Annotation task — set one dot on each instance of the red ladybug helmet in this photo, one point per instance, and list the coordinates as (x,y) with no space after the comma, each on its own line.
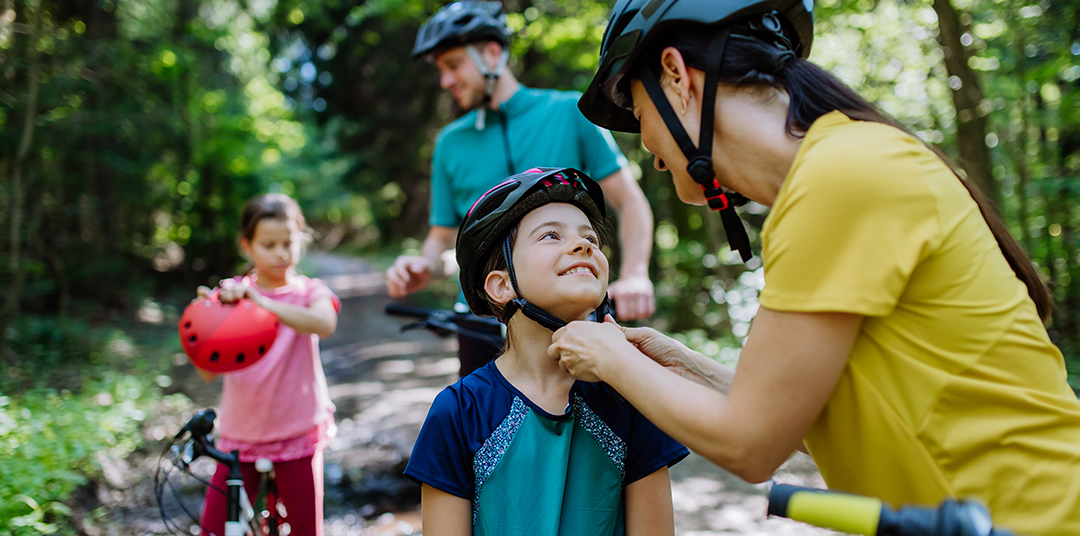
(221,337)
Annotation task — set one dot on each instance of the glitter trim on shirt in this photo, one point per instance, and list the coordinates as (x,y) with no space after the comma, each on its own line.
(488,456)
(612,444)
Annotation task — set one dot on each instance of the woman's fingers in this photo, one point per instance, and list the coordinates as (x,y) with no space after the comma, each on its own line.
(639,336)
(608,319)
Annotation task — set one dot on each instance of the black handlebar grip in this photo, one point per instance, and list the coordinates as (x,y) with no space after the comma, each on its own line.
(407,310)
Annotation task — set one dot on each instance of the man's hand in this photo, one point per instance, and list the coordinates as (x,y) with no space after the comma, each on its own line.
(633,298)
(409,274)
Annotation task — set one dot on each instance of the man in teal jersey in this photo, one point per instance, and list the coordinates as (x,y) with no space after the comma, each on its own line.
(511,128)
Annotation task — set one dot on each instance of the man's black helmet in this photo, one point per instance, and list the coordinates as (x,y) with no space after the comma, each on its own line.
(488,223)
(462,23)
(635,23)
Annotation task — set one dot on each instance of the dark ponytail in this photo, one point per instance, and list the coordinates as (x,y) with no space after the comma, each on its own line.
(814,92)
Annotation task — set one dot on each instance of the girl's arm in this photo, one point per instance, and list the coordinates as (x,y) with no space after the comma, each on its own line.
(206,375)
(319,318)
(787,371)
(445,514)
(648,506)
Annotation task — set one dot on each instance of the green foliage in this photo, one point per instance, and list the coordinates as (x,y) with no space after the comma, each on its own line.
(157,119)
(50,441)
(77,394)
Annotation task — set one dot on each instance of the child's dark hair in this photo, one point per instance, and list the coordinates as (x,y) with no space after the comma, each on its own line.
(269,206)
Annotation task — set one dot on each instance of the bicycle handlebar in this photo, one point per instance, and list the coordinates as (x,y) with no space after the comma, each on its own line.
(871,517)
(201,426)
(408,310)
(445,322)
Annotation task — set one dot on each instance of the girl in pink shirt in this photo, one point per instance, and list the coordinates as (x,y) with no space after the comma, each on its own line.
(278,408)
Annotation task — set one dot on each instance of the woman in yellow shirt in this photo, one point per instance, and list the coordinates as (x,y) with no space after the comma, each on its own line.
(900,335)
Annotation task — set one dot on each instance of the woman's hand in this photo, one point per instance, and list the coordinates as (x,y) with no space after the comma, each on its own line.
(583,347)
(670,353)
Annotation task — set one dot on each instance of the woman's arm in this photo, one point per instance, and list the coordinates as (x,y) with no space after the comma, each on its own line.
(445,514)
(648,506)
(676,357)
(787,371)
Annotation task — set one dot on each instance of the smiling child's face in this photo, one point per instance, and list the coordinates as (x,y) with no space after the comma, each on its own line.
(559,265)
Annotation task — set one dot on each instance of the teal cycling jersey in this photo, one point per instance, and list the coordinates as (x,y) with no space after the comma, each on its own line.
(529,472)
(534,128)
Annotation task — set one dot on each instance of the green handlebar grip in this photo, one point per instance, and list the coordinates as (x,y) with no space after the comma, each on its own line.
(839,511)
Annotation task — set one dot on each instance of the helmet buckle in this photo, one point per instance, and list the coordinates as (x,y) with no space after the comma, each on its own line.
(700,169)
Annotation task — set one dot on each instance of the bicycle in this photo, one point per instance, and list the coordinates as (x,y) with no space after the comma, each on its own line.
(868,516)
(241,519)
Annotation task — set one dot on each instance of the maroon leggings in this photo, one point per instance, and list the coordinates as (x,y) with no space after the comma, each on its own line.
(299,483)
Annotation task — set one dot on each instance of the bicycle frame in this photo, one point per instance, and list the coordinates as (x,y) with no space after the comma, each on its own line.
(240,515)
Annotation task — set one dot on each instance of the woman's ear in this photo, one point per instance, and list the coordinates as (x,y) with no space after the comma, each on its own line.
(245,246)
(675,78)
(498,287)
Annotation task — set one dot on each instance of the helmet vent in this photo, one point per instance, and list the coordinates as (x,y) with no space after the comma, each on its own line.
(650,9)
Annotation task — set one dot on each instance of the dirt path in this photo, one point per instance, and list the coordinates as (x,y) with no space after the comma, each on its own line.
(382,382)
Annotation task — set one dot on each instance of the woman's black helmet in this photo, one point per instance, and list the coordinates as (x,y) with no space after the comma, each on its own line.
(487,226)
(462,23)
(634,24)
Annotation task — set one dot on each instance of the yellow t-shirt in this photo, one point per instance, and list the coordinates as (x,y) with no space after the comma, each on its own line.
(953,388)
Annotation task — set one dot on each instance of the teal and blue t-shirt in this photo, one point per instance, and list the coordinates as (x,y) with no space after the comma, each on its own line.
(542,128)
(527,471)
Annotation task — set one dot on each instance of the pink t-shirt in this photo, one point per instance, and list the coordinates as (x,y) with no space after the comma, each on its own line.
(284,395)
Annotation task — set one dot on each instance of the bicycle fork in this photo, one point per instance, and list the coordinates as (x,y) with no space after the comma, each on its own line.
(273,516)
(238,502)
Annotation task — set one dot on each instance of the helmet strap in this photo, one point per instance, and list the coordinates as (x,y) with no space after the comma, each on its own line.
(491,79)
(699,158)
(531,311)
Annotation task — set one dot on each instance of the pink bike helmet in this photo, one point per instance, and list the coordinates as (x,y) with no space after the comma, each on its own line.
(221,337)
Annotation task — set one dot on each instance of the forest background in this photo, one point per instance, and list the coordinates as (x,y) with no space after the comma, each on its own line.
(131,131)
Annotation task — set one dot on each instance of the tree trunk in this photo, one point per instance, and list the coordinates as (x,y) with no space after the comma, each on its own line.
(970,122)
(1024,178)
(15,267)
